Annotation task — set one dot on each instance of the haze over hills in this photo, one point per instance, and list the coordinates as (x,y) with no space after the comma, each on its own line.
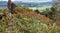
(3,4)
(34,4)
(27,4)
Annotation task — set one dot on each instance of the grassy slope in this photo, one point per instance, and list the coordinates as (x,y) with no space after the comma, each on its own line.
(25,21)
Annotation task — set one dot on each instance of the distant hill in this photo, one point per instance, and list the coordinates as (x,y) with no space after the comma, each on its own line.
(3,3)
(32,4)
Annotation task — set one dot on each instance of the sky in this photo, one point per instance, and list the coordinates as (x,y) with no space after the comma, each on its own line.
(29,0)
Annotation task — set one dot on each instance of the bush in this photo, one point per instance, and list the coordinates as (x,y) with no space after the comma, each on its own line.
(37,11)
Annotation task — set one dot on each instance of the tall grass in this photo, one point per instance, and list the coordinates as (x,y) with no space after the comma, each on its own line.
(23,24)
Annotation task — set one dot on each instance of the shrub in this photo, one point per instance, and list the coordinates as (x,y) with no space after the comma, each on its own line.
(37,11)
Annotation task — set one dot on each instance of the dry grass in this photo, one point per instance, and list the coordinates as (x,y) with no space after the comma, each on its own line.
(26,22)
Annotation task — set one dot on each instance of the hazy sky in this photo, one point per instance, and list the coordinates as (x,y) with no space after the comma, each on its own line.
(29,0)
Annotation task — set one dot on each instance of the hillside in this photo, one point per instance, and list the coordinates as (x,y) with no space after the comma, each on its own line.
(24,20)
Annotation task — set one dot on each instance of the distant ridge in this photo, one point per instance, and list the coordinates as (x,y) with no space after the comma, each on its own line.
(33,4)
(3,4)
(29,4)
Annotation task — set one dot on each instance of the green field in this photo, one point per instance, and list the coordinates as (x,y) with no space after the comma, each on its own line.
(40,8)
